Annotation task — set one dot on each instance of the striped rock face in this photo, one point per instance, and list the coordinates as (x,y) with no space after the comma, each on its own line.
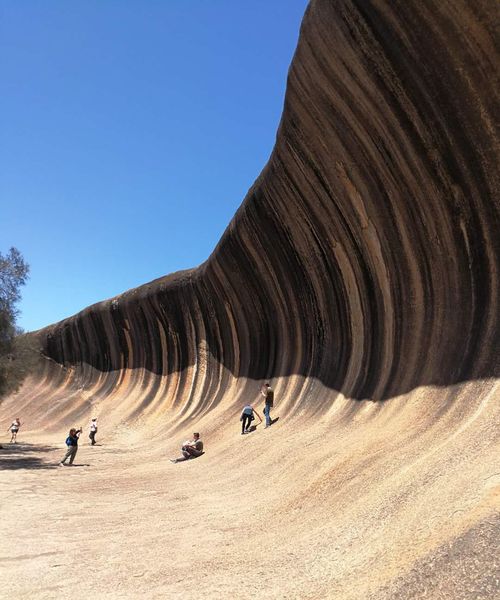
(366,255)
(361,277)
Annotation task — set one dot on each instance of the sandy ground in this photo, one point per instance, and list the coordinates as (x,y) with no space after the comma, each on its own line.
(392,502)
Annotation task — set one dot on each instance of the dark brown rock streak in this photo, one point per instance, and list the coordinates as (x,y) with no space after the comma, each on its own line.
(366,254)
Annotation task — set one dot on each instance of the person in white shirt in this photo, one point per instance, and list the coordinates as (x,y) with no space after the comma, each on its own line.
(93,431)
(14,428)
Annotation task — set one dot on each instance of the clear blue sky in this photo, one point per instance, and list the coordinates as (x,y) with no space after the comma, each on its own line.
(130,132)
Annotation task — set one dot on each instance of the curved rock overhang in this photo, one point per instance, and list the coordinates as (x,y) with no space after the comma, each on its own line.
(366,254)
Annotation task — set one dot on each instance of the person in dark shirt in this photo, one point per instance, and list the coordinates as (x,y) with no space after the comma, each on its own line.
(267,391)
(72,444)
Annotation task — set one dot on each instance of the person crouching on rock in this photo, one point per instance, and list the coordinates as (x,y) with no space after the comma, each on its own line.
(190,449)
(246,418)
(72,444)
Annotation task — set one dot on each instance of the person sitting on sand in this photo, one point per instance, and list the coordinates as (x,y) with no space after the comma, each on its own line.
(190,449)
(14,428)
(72,443)
(246,418)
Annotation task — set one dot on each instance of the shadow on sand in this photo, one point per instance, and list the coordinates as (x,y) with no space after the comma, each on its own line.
(25,456)
(253,428)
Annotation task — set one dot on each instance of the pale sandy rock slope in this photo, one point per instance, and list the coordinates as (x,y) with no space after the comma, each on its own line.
(361,277)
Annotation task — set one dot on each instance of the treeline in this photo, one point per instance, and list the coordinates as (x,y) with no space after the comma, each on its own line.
(17,351)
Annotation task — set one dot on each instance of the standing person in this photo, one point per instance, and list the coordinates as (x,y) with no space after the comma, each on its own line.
(246,418)
(72,443)
(14,428)
(267,391)
(93,431)
(190,449)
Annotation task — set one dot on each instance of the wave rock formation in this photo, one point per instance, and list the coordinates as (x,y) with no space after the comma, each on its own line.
(360,275)
(366,255)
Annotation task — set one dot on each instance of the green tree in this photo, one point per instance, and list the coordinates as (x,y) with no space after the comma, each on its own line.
(13,274)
